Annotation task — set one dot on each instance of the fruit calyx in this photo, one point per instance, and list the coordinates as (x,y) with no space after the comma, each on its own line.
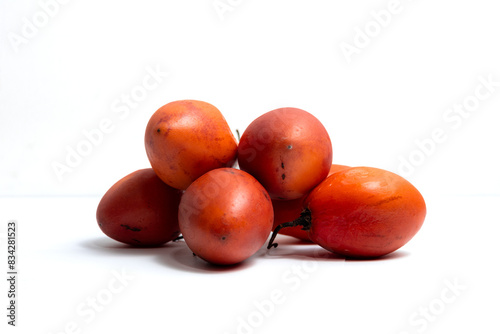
(304,220)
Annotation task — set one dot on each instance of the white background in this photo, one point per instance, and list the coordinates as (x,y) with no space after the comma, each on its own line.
(62,74)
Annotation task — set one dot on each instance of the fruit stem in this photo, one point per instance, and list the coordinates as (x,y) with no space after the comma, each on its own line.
(304,220)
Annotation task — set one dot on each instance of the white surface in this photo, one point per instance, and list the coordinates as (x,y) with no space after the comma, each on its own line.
(76,71)
(64,259)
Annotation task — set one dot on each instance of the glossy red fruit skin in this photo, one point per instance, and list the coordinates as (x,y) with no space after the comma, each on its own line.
(185,139)
(364,212)
(140,210)
(288,150)
(225,216)
(287,211)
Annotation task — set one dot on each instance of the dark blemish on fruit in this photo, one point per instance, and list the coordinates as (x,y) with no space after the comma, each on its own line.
(266,194)
(283,176)
(133,229)
(283,165)
(223,238)
(158,130)
(136,241)
(387,200)
(289,147)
